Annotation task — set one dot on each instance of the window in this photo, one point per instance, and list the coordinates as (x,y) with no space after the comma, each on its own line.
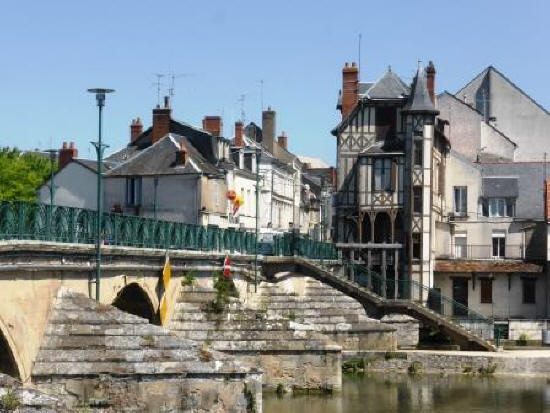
(417,200)
(382,174)
(461,200)
(461,246)
(529,288)
(418,152)
(416,246)
(499,244)
(385,117)
(486,290)
(133,191)
(499,207)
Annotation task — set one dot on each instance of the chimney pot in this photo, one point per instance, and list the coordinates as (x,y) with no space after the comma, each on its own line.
(239,127)
(161,123)
(268,129)
(213,125)
(282,141)
(350,88)
(66,154)
(136,129)
(430,80)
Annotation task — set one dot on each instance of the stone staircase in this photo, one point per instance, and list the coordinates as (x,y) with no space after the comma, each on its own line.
(289,353)
(328,311)
(459,334)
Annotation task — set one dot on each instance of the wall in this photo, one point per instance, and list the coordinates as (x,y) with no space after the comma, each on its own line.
(76,186)
(494,143)
(507,303)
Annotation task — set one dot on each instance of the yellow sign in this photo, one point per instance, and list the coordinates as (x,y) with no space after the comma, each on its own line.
(166,274)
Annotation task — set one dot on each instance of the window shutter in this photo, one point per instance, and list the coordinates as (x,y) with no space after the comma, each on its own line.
(394,176)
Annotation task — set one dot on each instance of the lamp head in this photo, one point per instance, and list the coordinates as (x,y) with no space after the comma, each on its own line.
(100,95)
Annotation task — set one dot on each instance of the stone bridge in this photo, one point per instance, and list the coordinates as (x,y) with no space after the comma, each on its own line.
(32,272)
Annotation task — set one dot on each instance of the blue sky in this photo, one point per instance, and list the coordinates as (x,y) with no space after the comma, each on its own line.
(54,50)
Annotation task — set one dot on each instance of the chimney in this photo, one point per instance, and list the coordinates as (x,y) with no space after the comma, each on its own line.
(283,141)
(136,129)
(66,154)
(239,131)
(181,155)
(161,121)
(350,88)
(268,129)
(430,77)
(213,124)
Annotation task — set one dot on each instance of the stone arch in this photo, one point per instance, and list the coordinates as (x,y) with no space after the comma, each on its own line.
(398,229)
(10,361)
(382,228)
(134,299)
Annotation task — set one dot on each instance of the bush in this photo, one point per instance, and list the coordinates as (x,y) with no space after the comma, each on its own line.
(415,368)
(225,288)
(490,369)
(9,402)
(188,279)
(522,341)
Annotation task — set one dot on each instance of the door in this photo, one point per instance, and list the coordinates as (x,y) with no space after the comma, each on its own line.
(460,296)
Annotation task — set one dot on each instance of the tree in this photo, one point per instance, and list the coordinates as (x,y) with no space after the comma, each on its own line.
(21,174)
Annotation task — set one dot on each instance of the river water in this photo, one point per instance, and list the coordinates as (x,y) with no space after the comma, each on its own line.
(379,392)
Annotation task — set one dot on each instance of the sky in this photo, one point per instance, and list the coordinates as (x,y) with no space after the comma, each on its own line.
(53,51)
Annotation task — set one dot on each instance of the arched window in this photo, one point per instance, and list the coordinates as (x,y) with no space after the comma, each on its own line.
(132,299)
(382,228)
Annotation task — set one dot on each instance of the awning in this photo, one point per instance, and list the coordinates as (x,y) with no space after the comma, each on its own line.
(500,187)
(496,266)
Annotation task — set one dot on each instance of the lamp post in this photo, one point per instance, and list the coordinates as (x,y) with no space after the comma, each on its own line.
(99,147)
(258,155)
(53,154)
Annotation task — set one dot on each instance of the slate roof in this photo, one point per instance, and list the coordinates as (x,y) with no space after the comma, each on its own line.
(389,86)
(420,100)
(494,266)
(160,159)
(92,165)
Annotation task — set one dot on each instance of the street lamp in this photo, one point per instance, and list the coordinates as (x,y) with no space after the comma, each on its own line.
(99,147)
(53,155)
(258,155)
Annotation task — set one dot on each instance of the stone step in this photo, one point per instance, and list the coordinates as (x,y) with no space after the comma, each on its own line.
(307,305)
(137,355)
(243,335)
(276,325)
(128,342)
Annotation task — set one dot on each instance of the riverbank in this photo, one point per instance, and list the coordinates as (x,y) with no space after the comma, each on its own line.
(516,362)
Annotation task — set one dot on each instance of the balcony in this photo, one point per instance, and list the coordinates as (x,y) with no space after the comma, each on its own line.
(484,252)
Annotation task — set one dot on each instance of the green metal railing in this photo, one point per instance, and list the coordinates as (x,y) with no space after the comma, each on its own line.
(431,298)
(290,244)
(35,221)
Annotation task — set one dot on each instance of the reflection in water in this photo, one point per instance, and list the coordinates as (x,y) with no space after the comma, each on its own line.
(427,393)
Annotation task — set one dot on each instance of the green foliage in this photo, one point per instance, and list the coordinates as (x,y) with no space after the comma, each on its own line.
(188,279)
(225,288)
(9,402)
(21,174)
(487,371)
(415,368)
(292,316)
(522,341)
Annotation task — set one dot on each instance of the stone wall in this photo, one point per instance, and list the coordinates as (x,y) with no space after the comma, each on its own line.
(407,329)
(532,329)
(508,362)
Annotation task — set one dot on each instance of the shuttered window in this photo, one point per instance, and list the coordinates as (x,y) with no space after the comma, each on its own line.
(486,290)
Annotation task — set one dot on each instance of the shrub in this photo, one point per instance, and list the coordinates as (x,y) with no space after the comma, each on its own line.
(415,368)
(188,279)
(522,341)
(486,371)
(9,402)
(292,316)
(225,288)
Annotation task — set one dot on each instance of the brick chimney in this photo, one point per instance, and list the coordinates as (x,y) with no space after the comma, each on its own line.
(136,129)
(282,141)
(66,154)
(430,77)
(213,124)
(350,88)
(239,131)
(161,121)
(181,155)
(268,129)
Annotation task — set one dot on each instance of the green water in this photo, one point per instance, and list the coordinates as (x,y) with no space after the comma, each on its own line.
(427,393)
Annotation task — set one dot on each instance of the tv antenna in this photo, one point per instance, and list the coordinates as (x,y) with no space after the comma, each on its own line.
(158,84)
(241,101)
(173,77)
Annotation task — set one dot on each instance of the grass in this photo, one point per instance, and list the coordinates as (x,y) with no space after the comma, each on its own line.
(9,402)
(415,368)
(188,279)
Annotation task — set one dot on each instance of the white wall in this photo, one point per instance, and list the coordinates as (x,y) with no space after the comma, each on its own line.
(76,186)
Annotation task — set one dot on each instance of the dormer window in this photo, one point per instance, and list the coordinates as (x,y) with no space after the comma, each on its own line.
(133,191)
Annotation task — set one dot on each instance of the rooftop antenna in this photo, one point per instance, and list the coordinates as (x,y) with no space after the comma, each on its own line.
(172,88)
(359,57)
(241,101)
(158,83)
(262,93)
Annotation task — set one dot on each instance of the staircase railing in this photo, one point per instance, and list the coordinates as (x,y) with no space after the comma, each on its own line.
(431,298)
(290,244)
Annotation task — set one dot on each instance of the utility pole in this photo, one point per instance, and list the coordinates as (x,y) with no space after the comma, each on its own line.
(53,154)
(100,147)
(156,184)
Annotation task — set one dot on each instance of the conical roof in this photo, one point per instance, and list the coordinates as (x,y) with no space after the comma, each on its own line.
(420,101)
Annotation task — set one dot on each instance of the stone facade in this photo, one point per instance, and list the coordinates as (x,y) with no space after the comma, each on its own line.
(407,329)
